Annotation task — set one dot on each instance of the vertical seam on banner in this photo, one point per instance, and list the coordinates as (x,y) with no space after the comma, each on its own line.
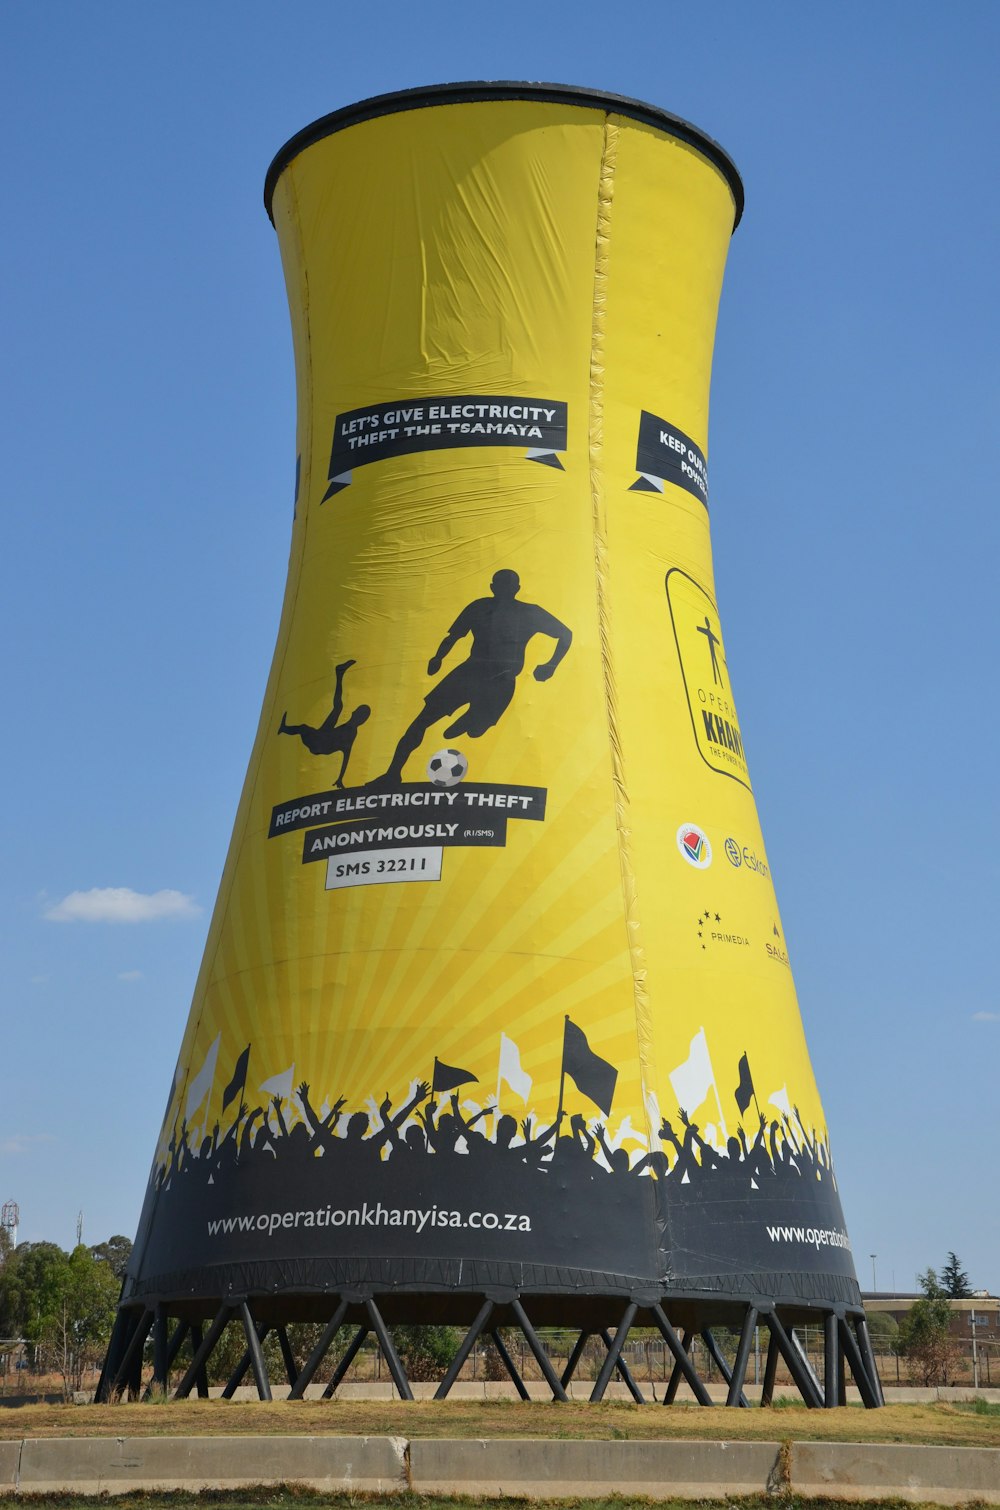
(595,445)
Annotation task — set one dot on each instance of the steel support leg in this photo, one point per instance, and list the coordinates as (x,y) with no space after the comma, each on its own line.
(736,1395)
(795,1363)
(120,1335)
(318,1353)
(614,1354)
(541,1356)
(804,1358)
(345,1362)
(202,1348)
(868,1354)
(831,1362)
(236,1377)
(160,1339)
(388,1350)
(509,1364)
(287,1356)
(687,1368)
(857,1366)
(715,1353)
(202,1376)
(624,1372)
(770,1366)
(256,1352)
(574,1358)
(124,1377)
(467,1344)
(676,1373)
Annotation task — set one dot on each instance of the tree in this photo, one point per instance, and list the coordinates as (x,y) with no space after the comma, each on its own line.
(924,1333)
(884,1331)
(116,1252)
(63,1304)
(30,1285)
(85,1316)
(954,1279)
(425,1351)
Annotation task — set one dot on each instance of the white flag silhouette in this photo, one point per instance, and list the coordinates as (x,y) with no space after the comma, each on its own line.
(510,1068)
(781,1101)
(693,1079)
(202,1082)
(279,1085)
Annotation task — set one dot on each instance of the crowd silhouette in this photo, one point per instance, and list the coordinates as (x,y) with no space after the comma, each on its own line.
(289,1131)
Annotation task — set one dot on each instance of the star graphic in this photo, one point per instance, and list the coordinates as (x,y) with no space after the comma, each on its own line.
(717,918)
(707,916)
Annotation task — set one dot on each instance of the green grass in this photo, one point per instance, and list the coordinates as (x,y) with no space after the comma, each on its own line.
(980,1407)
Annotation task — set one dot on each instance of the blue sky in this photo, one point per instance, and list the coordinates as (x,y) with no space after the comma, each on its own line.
(148,407)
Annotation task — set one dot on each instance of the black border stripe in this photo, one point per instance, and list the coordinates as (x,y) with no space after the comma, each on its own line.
(460,94)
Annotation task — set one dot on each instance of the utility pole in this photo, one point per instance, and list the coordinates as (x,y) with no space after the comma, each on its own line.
(10,1216)
(873,1257)
(975,1350)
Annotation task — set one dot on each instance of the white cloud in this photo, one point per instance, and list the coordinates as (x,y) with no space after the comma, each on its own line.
(986,1016)
(130,975)
(16,1143)
(120,904)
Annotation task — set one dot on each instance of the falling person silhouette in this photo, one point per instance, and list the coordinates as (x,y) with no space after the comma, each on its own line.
(332,737)
(483,685)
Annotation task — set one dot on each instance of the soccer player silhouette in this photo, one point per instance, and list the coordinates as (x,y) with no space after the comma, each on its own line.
(332,737)
(483,685)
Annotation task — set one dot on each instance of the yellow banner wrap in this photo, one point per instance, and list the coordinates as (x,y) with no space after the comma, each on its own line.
(497,990)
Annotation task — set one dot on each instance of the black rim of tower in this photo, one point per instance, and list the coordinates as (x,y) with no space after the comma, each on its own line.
(476,92)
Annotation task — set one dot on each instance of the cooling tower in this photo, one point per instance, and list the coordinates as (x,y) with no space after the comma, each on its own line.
(496,1023)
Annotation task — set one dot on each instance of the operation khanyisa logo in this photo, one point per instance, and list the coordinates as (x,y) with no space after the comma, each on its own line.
(702,655)
(391,830)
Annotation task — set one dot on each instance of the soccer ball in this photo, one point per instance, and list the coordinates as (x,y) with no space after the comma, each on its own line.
(447,768)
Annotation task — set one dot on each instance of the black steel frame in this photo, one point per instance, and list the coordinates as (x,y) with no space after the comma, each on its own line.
(847,1347)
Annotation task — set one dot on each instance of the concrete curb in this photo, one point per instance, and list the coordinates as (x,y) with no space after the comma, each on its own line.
(896,1470)
(545,1469)
(548,1469)
(116,1465)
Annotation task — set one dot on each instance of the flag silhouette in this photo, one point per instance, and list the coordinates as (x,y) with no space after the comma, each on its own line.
(744,1091)
(693,1079)
(448,1077)
(201,1084)
(591,1075)
(279,1085)
(510,1068)
(780,1100)
(237,1085)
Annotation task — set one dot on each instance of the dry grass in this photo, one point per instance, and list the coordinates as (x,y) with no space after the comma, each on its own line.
(293,1497)
(937,1424)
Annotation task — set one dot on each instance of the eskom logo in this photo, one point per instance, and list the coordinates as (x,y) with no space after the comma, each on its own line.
(693,844)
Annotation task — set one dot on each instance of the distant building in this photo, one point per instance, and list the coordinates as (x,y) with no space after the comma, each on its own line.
(983,1306)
